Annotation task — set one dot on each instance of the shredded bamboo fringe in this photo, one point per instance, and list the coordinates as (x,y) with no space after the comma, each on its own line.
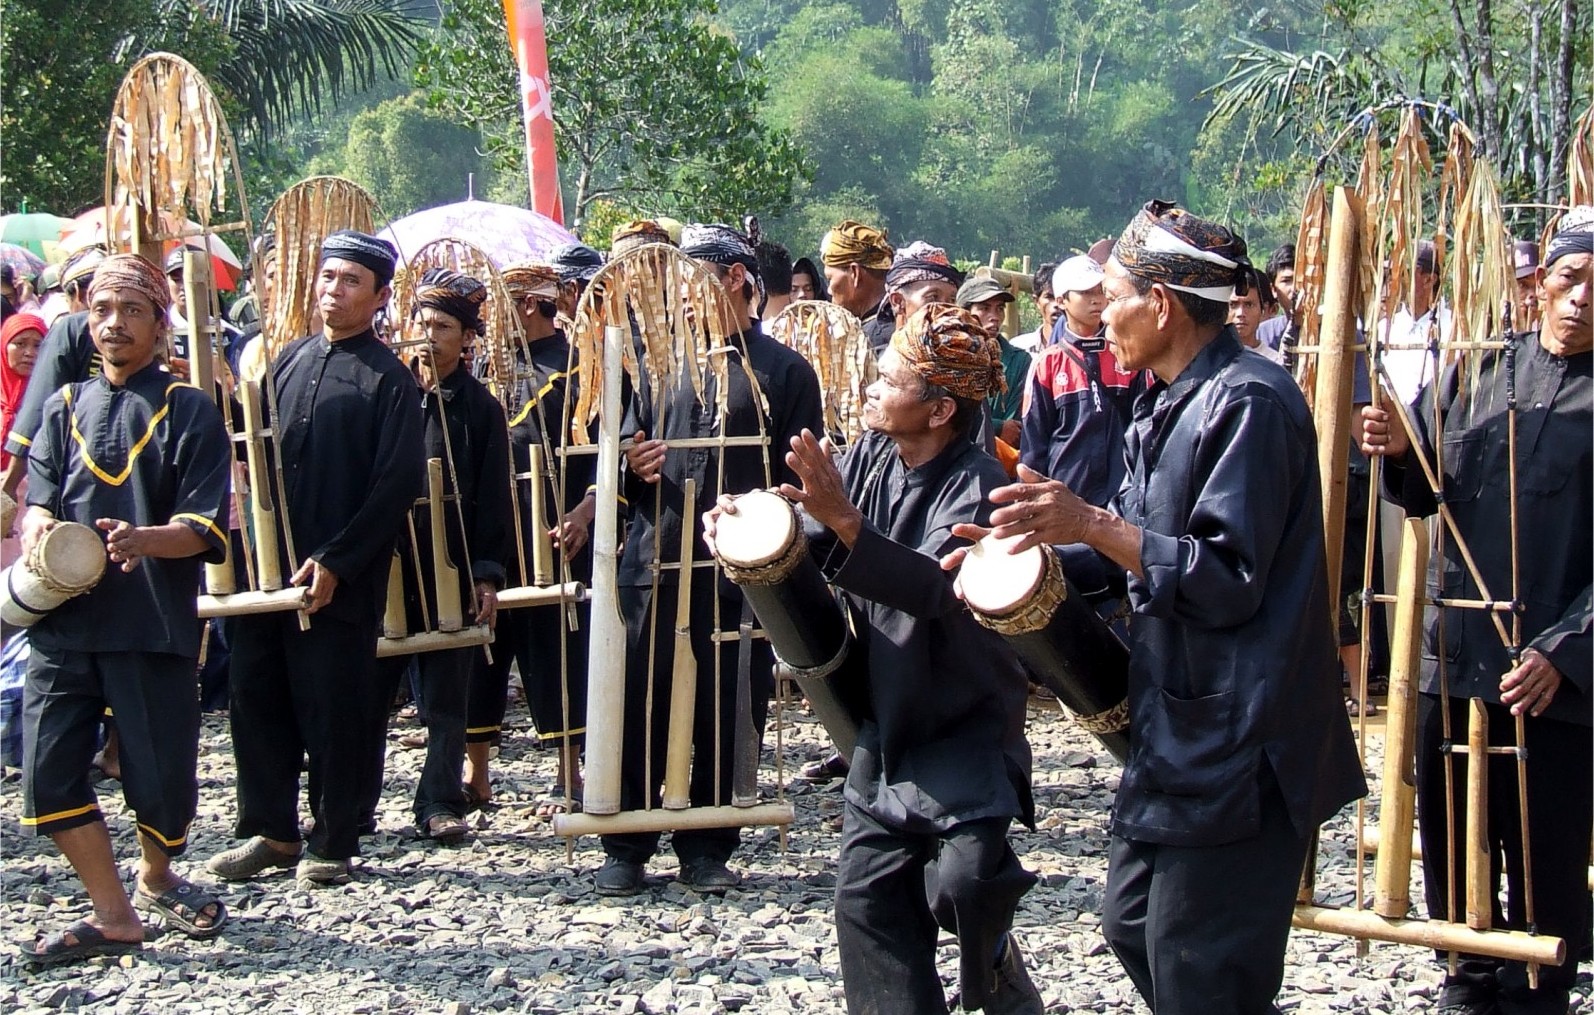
(832,340)
(305,215)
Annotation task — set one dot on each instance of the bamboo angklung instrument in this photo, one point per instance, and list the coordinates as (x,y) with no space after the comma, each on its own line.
(1392,869)
(542,556)
(220,579)
(395,620)
(445,575)
(683,678)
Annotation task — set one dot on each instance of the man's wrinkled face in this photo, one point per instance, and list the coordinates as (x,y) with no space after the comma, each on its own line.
(1564,293)
(1131,320)
(894,404)
(843,283)
(910,299)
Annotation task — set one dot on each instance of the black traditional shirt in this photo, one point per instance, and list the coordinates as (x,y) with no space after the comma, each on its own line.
(1554,519)
(1233,663)
(791,389)
(151,452)
(67,355)
(944,739)
(478,445)
(353,461)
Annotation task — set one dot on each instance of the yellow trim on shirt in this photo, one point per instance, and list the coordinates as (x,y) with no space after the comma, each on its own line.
(21,440)
(483,729)
(59,815)
(133,453)
(526,409)
(206,522)
(557,736)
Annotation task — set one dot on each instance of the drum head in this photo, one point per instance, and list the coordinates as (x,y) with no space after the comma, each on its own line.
(70,556)
(997,582)
(762,528)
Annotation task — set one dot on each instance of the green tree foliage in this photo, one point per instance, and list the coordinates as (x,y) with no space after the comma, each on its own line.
(409,156)
(653,108)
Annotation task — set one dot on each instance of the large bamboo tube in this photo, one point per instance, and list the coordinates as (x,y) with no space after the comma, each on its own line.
(1336,365)
(434,641)
(268,565)
(239,604)
(1479,886)
(542,559)
(529,595)
(1398,805)
(777,813)
(220,579)
(683,677)
(606,655)
(445,576)
(1438,935)
(395,621)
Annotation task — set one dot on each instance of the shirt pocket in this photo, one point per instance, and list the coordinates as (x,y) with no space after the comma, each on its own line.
(1189,743)
(1463,466)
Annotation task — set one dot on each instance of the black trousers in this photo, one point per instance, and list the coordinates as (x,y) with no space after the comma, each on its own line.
(155,700)
(715,712)
(531,637)
(443,685)
(895,890)
(296,693)
(1560,786)
(1201,930)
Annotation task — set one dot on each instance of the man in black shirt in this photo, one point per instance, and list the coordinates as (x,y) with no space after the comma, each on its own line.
(152,475)
(352,462)
(655,491)
(941,768)
(1549,682)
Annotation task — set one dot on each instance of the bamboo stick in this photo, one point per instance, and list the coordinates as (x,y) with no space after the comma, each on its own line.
(1479,886)
(660,820)
(1335,373)
(683,676)
(542,559)
(268,563)
(445,576)
(1392,868)
(606,655)
(1513,945)
(535,595)
(395,621)
(220,579)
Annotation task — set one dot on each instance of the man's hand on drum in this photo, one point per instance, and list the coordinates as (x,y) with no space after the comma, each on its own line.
(645,457)
(127,544)
(822,494)
(1036,510)
(36,521)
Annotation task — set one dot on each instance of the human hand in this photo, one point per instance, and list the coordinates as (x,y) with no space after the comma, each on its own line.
(323,583)
(124,542)
(1531,685)
(1038,510)
(725,505)
(822,494)
(646,458)
(1378,434)
(487,604)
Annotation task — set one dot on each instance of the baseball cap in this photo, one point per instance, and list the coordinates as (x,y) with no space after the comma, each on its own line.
(979,288)
(1525,257)
(1077,274)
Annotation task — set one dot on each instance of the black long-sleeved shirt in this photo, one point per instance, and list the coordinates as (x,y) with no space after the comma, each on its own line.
(1232,663)
(478,445)
(1555,519)
(67,355)
(353,460)
(791,390)
(944,741)
(151,452)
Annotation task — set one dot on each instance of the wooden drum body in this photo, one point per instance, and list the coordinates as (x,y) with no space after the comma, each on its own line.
(67,561)
(1060,638)
(762,549)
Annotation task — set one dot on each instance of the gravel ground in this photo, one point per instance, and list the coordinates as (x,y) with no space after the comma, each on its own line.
(509,921)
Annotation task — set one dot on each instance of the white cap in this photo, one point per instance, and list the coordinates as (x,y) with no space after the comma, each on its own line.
(1077,274)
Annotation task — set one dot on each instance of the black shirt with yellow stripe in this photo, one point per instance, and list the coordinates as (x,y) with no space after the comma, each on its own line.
(150,452)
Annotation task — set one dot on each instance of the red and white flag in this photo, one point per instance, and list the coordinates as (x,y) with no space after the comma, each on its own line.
(531,55)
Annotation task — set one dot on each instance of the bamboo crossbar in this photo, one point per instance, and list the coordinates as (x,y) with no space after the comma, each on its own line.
(434,641)
(1512,945)
(537,595)
(240,604)
(675,442)
(779,812)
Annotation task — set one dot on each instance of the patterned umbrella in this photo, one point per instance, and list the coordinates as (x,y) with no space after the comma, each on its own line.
(39,232)
(89,228)
(505,233)
(22,260)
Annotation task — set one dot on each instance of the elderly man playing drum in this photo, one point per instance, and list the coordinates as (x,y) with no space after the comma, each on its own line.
(144,459)
(941,767)
(1239,747)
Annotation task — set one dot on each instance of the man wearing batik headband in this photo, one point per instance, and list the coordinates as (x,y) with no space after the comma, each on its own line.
(655,480)
(1548,684)
(538,394)
(465,428)
(856,258)
(144,459)
(1241,747)
(352,461)
(67,355)
(920,275)
(941,767)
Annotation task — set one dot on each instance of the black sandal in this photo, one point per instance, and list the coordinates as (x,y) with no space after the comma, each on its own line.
(88,942)
(181,907)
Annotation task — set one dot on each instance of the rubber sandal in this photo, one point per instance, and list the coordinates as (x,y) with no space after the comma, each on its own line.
(446,829)
(181,906)
(54,950)
(474,801)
